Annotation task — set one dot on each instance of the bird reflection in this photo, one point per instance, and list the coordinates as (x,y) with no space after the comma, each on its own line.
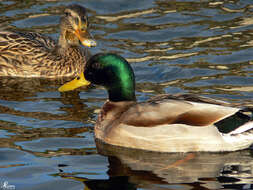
(119,182)
(133,169)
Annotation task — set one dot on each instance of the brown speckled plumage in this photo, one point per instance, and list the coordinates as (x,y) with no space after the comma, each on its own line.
(34,55)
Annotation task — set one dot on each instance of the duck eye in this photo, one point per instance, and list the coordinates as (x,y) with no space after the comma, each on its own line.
(78,78)
(67,14)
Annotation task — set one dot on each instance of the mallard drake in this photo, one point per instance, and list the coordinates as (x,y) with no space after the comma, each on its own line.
(165,123)
(29,54)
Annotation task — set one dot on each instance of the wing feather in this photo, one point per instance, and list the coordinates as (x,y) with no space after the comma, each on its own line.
(173,111)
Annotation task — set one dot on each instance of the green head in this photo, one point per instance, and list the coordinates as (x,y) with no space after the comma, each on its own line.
(113,72)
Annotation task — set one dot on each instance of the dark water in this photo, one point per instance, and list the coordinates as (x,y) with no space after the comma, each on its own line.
(193,46)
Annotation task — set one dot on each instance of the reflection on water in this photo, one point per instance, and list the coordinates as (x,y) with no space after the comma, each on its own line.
(133,169)
(200,47)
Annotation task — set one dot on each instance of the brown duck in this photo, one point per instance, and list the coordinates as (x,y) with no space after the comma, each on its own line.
(29,54)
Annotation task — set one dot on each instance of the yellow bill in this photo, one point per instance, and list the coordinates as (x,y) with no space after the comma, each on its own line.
(76,83)
(85,38)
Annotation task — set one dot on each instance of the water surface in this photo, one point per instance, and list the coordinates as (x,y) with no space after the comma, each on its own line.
(182,46)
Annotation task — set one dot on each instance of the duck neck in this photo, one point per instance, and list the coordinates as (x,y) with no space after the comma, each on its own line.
(62,42)
(122,92)
(121,87)
(115,74)
(66,41)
